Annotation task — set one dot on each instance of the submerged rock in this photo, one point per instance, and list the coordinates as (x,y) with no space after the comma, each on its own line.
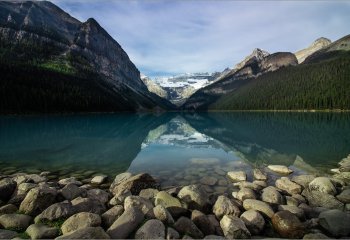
(211,181)
(237,175)
(280,169)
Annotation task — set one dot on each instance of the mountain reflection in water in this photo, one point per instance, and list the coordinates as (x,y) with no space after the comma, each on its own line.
(176,148)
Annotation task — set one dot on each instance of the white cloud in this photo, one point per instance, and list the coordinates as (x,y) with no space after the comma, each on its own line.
(192,36)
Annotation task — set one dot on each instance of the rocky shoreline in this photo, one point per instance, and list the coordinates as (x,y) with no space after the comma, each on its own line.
(134,206)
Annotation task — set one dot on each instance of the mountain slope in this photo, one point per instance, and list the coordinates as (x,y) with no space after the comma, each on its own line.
(256,64)
(69,59)
(154,87)
(330,51)
(321,82)
(314,47)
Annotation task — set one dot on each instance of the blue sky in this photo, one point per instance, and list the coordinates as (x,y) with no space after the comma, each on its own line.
(164,37)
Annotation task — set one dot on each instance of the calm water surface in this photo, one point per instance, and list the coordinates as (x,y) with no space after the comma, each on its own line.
(175,148)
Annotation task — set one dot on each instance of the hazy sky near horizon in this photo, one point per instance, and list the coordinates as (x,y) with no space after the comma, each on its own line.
(165,37)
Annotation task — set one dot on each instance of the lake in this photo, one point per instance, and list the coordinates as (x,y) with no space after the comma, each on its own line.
(176,148)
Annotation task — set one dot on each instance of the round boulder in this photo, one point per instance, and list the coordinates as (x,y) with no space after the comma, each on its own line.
(287,225)
(324,185)
(80,220)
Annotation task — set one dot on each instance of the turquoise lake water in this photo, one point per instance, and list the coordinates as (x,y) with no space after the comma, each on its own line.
(175,148)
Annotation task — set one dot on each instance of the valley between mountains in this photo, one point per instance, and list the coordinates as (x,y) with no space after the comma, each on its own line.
(51,63)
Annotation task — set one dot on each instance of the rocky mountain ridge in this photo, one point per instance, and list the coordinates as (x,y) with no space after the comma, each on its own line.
(259,63)
(314,47)
(39,32)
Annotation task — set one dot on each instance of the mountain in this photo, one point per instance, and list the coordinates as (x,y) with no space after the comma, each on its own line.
(314,47)
(54,63)
(154,87)
(257,55)
(257,63)
(339,47)
(179,87)
(321,82)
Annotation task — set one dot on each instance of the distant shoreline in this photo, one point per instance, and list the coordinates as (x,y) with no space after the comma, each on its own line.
(179,111)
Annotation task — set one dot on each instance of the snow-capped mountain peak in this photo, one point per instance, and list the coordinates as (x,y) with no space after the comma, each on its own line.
(179,87)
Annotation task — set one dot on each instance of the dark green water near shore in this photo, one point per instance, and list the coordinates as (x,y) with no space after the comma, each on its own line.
(176,148)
